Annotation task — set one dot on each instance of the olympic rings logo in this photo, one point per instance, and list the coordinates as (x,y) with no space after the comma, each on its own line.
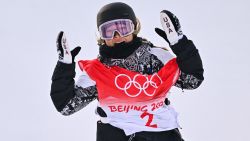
(154,81)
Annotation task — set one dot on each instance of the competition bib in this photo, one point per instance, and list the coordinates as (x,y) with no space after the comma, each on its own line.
(125,92)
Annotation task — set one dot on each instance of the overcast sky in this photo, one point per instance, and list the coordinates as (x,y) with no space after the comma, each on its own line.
(217,111)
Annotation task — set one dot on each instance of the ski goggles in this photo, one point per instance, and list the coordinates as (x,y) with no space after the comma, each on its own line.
(123,26)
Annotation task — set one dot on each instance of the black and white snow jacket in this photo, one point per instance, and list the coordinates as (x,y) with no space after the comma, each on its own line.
(69,97)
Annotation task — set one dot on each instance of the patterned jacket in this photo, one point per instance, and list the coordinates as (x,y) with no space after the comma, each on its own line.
(69,97)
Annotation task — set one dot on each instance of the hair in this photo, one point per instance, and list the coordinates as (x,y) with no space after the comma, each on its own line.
(135,33)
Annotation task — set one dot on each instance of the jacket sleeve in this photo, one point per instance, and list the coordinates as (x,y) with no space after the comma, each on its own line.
(66,96)
(190,64)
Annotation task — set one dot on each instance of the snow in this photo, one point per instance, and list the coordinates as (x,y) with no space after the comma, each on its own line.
(217,110)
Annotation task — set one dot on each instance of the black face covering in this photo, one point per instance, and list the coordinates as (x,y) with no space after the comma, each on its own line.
(121,50)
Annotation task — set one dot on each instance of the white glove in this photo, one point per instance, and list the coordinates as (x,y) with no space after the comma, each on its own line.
(172,29)
(65,55)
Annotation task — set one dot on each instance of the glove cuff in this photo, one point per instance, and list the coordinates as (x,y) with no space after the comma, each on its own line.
(173,42)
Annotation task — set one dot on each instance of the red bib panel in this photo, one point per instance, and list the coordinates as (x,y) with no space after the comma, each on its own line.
(118,85)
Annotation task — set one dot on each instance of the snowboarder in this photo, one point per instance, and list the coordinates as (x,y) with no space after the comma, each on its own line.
(130,78)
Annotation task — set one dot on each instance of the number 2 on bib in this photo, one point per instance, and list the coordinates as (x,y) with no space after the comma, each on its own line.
(150,119)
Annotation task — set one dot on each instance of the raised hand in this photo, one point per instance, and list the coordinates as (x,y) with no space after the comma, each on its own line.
(65,55)
(171,32)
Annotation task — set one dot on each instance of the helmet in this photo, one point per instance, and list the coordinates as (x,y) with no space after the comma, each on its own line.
(116,10)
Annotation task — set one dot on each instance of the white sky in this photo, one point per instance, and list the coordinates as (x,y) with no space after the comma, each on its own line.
(218,110)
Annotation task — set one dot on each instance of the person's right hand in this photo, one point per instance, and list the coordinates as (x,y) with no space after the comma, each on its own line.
(65,55)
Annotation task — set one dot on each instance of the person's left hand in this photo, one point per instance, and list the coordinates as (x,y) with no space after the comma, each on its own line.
(171,32)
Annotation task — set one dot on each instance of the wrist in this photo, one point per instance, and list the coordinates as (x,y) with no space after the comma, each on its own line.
(180,46)
(65,61)
(176,40)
